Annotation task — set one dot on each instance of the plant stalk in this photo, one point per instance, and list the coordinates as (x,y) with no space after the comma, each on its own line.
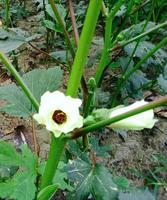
(56,149)
(107,41)
(83,47)
(19,80)
(58,144)
(82,131)
(61,22)
(143,34)
(124,78)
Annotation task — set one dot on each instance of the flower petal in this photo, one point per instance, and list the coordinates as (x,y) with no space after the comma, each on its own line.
(57,101)
(136,122)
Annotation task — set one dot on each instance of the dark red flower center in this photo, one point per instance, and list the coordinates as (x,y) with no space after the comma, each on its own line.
(59,117)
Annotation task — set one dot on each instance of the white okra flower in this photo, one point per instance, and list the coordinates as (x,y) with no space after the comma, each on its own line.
(136,122)
(59,113)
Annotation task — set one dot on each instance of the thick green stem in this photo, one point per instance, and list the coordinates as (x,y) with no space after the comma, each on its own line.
(80,132)
(143,34)
(104,57)
(83,47)
(19,80)
(56,149)
(68,42)
(58,144)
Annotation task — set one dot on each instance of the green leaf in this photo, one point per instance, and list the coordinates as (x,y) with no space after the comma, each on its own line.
(101,151)
(102,185)
(136,195)
(94,180)
(61,10)
(60,178)
(17,102)
(75,150)
(60,55)
(121,182)
(20,187)
(77,170)
(47,192)
(38,81)
(12,39)
(50,25)
(7,171)
(135,29)
(10,157)
(29,159)
(162,80)
(144,48)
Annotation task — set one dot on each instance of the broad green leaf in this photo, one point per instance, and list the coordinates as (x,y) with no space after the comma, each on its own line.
(7,171)
(20,187)
(136,29)
(75,150)
(162,82)
(11,40)
(17,102)
(42,80)
(29,159)
(77,170)
(60,178)
(61,10)
(60,55)
(10,157)
(94,180)
(101,151)
(121,182)
(144,48)
(136,195)
(102,185)
(50,25)
(38,81)
(47,192)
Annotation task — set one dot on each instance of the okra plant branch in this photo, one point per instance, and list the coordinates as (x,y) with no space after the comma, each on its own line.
(105,52)
(83,47)
(19,80)
(136,67)
(124,43)
(56,149)
(107,41)
(68,41)
(85,94)
(61,23)
(156,48)
(136,45)
(82,131)
(58,144)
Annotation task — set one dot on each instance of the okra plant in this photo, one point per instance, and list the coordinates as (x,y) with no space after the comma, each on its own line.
(72,115)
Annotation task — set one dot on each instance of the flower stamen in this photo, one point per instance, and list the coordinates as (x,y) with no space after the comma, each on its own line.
(59,117)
